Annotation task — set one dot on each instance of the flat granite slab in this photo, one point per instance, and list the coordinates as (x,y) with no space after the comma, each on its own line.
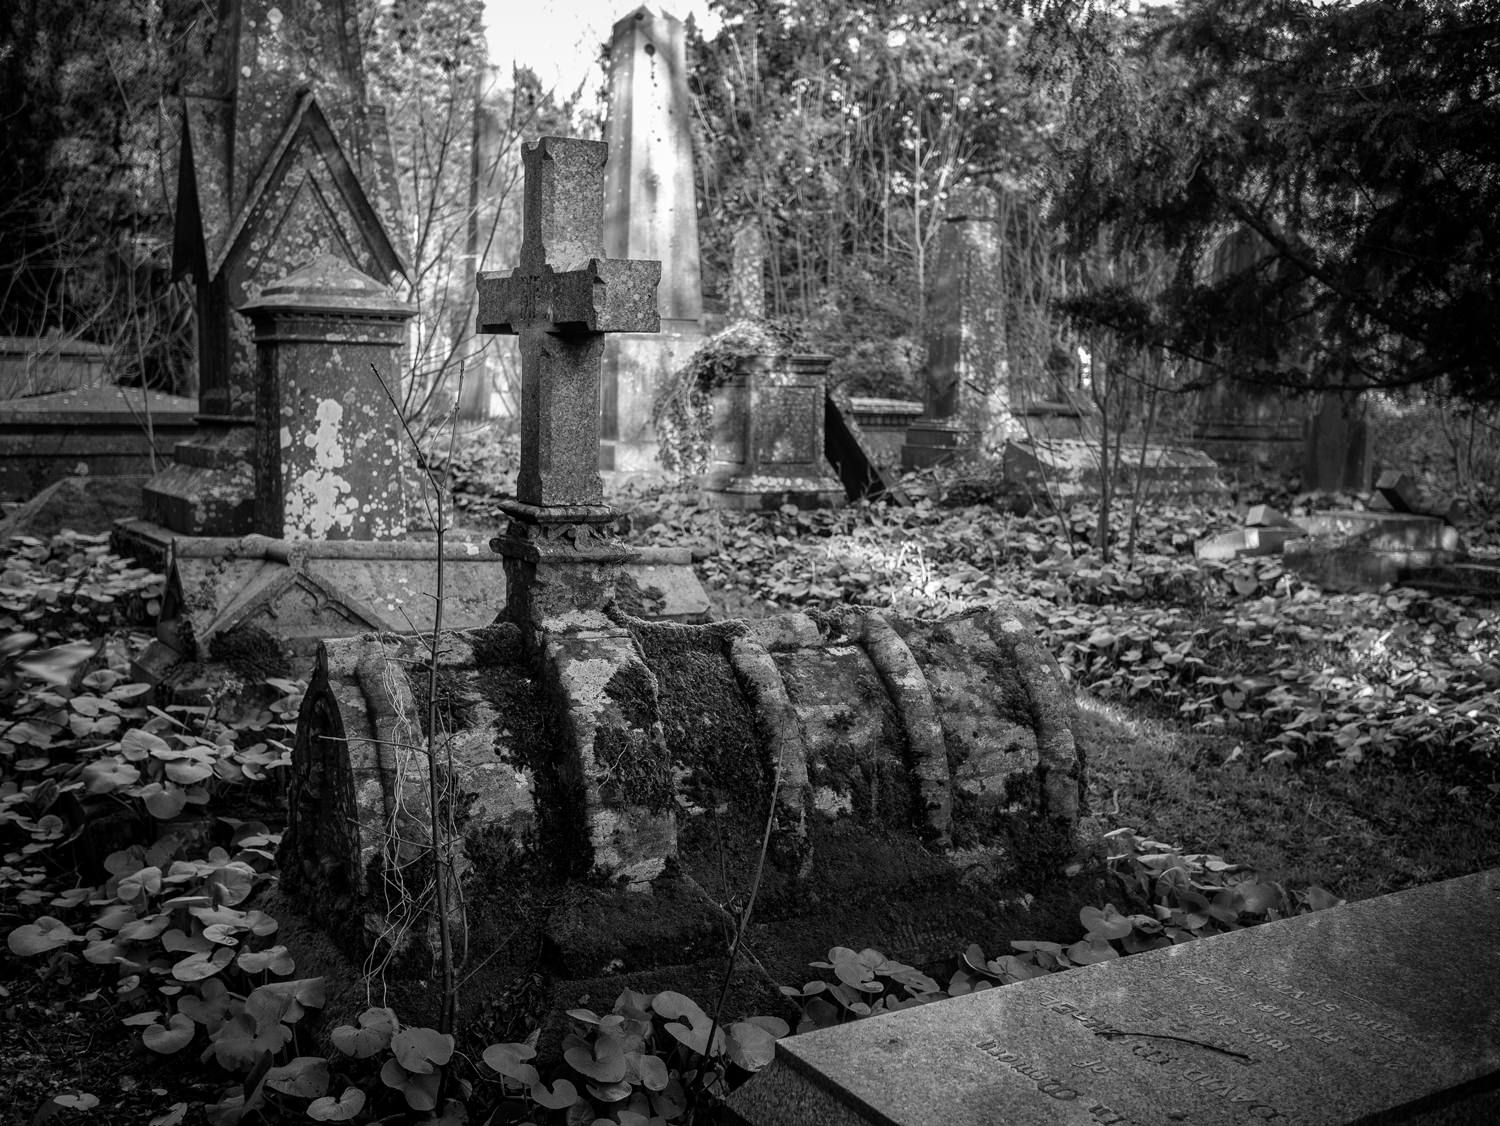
(1344,1016)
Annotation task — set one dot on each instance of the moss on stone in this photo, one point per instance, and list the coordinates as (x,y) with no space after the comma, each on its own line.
(251,652)
(708,724)
(629,759)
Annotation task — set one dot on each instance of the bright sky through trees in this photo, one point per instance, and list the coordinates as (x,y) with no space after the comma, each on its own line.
(560,39)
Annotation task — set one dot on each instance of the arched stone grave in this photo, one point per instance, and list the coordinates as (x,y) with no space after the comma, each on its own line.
(607,780)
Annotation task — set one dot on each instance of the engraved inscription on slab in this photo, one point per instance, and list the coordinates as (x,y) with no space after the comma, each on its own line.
(786,425)
(1318,1020)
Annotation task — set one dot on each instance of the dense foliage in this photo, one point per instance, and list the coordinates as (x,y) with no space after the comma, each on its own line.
(838,130)
(85,241)
(1247,650)
(1323,177)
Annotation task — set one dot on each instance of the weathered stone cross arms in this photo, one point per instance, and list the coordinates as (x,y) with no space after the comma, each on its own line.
(561,300)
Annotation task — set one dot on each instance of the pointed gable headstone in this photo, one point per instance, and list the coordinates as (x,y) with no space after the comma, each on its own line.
(281,161)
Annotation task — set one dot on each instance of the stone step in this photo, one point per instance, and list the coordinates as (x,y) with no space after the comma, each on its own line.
(1382,1010)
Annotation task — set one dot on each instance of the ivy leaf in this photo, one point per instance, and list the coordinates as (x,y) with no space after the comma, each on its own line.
(143,881)
(654,1075)
(562,1095)
(163,800)
(376,1027)
(231,883)
(212,1006)
(276,959)
(108,774)
(422,1051)
(241,1040)
(420,1090)
(76,1100)
(47,933)
(750,1046)
(306,1077)
(603,1061)
(144,930)
(197,967)
(509,1060)
(1104,924)
(173,1037)
(173,1116)
(347,1106)
(137,744)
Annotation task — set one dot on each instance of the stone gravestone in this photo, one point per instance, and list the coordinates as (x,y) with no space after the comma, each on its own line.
(651,212)
(966,339)
(110,431)
(747,273)
(1386,1010)
(1337,458)
(588,745)
(768,437)
(329,446)
(281,160)
(328,559)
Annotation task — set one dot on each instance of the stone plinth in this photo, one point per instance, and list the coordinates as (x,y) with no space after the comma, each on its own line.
(112,431)
(767,439)
(883,423)
(329,446)
(304,592)
(650,212)
(967,396)
(1380,1011)
(1066,469)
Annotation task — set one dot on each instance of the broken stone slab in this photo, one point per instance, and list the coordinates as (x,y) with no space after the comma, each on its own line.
(1382,1010)
(1246,542)
(1401,492)
(1264,516)
(1068,469)
(1339,566)
(301,592)
(957,734)
(1382,531)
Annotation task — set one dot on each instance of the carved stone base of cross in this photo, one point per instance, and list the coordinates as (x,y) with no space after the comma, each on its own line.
(562,556)
(562,565)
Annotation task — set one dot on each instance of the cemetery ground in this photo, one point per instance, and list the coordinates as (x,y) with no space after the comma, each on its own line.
(1334,745)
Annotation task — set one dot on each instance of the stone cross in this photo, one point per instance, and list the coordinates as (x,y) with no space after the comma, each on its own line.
(561,300)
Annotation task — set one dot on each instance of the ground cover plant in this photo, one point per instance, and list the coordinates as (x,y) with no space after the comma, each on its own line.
(1293,748)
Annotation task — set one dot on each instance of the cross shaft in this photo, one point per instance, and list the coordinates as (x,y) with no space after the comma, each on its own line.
(561,300)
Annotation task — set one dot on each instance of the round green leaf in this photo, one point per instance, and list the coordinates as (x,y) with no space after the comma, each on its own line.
(47,933)
(376,1027)
(306,1077)
(509,1060)
(750,1046)
(347,1106)
(562,1095)
(176,1035)
(421,1051)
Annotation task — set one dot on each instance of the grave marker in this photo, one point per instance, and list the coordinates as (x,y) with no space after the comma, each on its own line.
(1345,1015)
(561,300)
(562,557)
